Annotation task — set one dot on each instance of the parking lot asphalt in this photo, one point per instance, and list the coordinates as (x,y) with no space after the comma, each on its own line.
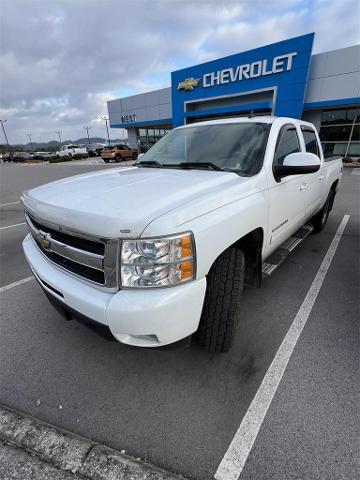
(180,409)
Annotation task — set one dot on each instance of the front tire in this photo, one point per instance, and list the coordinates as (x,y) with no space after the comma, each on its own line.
(221,310)
(319,220)
(118,158)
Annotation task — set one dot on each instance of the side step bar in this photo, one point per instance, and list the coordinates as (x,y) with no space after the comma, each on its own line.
(277,258)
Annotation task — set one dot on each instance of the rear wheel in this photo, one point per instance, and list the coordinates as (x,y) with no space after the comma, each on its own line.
(319,220)
(221,310)
(134,156)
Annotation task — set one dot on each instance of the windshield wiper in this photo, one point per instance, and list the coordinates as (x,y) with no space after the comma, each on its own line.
(149,163)
(183,165)
(210,165)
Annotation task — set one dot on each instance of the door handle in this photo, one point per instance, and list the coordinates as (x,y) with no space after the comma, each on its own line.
(303,186)
(321,178)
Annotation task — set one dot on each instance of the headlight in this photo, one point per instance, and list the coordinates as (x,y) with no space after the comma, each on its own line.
(158,262)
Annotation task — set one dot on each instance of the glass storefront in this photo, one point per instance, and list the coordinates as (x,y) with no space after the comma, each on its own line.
(148,136)
(340,132)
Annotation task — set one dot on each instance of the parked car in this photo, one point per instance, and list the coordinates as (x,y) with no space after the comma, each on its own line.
(162,249)
(17,157)
(94,149)
(71,150)
(7,156)
(118,153)
(41,155)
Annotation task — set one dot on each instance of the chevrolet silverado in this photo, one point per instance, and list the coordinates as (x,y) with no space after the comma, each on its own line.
(161,250)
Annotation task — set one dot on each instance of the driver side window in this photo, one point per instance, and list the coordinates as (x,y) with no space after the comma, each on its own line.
(288,142)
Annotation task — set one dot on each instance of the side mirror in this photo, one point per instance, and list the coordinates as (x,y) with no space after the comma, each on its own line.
(297,164)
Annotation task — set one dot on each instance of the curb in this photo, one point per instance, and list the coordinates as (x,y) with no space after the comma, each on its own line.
(351,165)
(73,453)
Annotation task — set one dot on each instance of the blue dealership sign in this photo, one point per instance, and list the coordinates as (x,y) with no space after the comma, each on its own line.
(281,69)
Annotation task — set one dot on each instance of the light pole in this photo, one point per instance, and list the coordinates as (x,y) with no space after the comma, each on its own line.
(6,138)
(59,132)
(103,117)
(87,131)
(31,144)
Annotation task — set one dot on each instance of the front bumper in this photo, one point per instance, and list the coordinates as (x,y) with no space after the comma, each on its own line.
(144,318)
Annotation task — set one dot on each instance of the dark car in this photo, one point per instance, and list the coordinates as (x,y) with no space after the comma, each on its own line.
(17,157)
(94,149)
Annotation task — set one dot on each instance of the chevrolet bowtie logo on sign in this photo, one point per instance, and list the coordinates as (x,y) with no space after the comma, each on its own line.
(188,84)
(44,240)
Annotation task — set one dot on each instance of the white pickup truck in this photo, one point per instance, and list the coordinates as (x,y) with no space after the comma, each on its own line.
(71,151)
(160,250)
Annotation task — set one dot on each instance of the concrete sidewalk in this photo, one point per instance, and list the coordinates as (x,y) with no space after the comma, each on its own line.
(34,450)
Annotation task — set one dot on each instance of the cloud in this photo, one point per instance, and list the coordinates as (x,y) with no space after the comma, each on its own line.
(62,60)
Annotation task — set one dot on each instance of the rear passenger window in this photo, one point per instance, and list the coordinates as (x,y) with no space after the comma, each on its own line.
(287,143)
(311,144)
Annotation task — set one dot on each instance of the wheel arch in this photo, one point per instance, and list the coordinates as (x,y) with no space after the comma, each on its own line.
(334,189)
(251,244)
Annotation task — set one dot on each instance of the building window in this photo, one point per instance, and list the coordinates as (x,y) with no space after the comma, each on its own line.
(339,132)
(147,137)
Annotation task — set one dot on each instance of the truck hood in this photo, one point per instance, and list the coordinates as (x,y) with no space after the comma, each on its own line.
(122,202)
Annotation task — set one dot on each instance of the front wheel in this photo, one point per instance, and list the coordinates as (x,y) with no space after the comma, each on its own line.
(221,310)
(118,158)
(319,220)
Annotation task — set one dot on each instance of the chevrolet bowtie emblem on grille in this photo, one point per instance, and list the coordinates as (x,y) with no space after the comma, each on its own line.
(44,240)
(188,84)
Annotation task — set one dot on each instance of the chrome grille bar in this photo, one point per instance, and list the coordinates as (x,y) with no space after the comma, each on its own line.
(56,250)
(88,259)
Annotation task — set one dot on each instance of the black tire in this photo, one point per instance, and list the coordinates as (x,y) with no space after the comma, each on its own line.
(106,160)
(119,158)
(221,310)
(134,156)
(319,220)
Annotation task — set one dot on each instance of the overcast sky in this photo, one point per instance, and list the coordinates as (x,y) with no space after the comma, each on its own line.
(61,61)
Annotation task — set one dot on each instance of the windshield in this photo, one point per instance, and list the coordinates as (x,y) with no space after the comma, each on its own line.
(237,147)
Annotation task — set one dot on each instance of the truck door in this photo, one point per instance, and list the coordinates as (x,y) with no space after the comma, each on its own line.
(314,181)
(287,197)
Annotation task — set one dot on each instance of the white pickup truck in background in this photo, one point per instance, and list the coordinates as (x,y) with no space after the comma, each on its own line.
(71,150)
(160,250)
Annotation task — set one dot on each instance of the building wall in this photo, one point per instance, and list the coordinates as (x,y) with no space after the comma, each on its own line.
(252,71)
(333,81)
(132,138)
(152,107)
(334,76)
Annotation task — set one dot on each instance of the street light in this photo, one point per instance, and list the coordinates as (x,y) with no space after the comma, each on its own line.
(103,117)
(59,132)
(31,144)
(6,138)
(87,131)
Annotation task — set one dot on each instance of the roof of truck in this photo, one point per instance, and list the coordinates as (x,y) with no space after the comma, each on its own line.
(252,119)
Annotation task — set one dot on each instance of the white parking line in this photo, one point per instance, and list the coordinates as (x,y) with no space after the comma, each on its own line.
(234,460)
(15,284)
(12,226)
(10,203)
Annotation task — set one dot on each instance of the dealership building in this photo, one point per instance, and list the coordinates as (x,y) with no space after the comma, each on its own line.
(282,79)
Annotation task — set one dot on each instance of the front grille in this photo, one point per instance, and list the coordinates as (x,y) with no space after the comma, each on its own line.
(77,242)
(81,270)
(89,259)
